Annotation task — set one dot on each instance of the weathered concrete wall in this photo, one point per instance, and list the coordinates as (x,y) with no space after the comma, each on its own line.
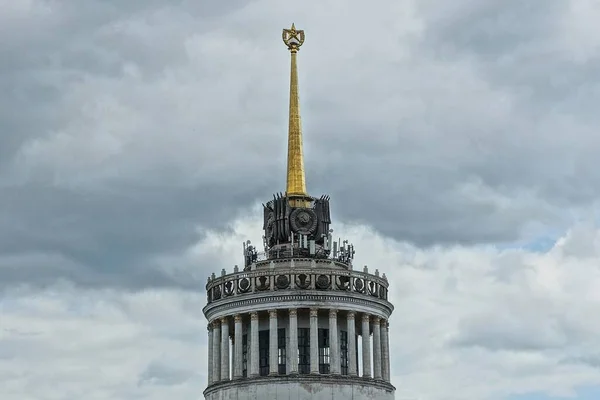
(313,388)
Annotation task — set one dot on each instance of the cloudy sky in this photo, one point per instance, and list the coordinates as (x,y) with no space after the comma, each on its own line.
(457,140)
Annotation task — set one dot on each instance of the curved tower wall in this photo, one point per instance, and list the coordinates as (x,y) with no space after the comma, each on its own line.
(319,331)
(298,322)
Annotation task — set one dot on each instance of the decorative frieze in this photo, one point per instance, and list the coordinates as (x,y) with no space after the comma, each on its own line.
(295,279)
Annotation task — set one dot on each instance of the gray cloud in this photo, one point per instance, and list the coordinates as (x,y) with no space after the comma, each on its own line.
(127,130)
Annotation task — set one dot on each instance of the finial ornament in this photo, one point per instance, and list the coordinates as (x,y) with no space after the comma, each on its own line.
(296,181)
(293,38)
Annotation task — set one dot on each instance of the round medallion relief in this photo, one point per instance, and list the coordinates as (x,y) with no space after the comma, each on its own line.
(359,285)
(282,282)
(322,282)
(303,221)
(243,285)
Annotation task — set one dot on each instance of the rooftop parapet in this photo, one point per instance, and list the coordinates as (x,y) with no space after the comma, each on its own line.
(299,275)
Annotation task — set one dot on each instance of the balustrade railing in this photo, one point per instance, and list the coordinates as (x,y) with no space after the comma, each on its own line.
(245,283)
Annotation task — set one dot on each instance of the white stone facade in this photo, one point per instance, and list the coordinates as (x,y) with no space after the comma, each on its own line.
(298,329)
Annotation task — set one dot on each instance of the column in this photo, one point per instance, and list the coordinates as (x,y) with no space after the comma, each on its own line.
(385,350)
(314,341)
(254,344)
(376,349)
(366,347)
(273,348)
(334,348)
(216,351)
(351,344)
(224,349)
(293,348)
(210,354)
(237,348)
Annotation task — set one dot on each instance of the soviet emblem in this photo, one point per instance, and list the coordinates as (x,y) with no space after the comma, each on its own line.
(303,221)
(293,38)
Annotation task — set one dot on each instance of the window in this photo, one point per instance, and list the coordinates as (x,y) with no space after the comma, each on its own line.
(263,352)
(245,355)
(323,351)
(344,351)
(304,350)
(281,350)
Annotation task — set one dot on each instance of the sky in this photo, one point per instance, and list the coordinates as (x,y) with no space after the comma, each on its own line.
(457,141)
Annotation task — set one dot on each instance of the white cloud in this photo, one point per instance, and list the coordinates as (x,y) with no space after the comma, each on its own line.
(478,321)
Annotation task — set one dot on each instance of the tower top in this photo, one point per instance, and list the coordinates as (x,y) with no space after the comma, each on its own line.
(296,181)
(297,225)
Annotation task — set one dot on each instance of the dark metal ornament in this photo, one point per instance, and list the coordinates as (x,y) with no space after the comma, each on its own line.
(270,226)
(302,281)
(322,282)
(303,221)
(282,282)
(243,285)
(228,288)
(262,283)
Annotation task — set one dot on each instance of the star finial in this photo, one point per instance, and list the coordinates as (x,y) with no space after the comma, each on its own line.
(293,38)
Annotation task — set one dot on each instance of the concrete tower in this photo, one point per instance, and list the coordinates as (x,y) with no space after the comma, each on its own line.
(298,322)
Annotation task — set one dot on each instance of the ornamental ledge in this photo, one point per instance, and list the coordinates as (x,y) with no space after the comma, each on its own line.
(295,299)
(301,378)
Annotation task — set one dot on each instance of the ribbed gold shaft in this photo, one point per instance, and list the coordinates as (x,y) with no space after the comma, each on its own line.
(296,181)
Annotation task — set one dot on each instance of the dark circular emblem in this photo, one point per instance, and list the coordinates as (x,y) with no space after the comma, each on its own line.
(359,285)
(322,282)
(303,221)
(244,285)
(282,281)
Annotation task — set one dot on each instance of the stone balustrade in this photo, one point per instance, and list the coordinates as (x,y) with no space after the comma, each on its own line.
(296,276)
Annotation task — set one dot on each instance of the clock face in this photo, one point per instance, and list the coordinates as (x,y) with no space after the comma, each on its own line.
(303,221)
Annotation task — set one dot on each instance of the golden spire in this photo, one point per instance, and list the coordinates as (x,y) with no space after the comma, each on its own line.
(296,182)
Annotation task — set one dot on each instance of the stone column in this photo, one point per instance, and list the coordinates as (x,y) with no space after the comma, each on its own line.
(334,348)
(237,348)
(376,349)
(216,351)
(273,350)
(314,341)
(210,354)
(224,349)
(366,347)
(351,344)
(385,350)
(293,348)
(254,344)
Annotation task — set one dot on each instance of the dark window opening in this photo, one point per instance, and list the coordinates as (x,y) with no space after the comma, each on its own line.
(323,351)
(245,355)
(263,352)
(304,350)
(281,355)
(344,352)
